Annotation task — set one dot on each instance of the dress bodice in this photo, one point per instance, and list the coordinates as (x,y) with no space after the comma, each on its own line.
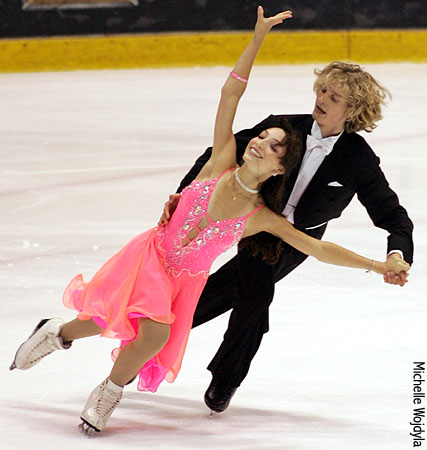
(196,254)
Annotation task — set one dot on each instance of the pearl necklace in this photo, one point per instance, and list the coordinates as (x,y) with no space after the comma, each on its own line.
(243,185)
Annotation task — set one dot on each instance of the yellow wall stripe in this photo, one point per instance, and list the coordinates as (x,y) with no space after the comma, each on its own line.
(207,49)
(374,46)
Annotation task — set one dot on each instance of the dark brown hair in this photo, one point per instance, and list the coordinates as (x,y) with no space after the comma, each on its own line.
(273,193)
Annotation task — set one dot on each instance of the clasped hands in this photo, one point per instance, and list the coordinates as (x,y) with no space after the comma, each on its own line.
(391,277)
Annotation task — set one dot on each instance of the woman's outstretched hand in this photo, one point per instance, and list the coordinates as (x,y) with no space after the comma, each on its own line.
(265,24)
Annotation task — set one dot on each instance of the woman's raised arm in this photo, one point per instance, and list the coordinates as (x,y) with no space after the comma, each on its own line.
(224,147)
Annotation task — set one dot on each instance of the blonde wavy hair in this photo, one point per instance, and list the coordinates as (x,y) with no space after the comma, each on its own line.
(365,95)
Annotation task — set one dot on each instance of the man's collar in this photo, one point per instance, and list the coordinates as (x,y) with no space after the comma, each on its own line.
(315,140)
(317,133)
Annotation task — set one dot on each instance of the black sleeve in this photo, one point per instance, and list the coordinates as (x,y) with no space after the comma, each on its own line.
(242,139)
(382,205)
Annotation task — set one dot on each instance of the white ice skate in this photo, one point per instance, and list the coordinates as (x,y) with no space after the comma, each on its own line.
(43,341)
(100,405)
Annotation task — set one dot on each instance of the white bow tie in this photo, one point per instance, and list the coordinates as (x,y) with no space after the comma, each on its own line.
(314,143)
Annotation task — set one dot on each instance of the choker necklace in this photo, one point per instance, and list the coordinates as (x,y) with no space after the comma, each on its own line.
(243,185)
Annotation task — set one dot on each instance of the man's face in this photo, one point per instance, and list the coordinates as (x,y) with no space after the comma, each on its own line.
(331,108)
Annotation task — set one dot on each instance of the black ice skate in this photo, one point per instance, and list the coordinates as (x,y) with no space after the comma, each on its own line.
(218,395)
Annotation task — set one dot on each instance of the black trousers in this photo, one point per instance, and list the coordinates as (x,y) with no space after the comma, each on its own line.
(245,284)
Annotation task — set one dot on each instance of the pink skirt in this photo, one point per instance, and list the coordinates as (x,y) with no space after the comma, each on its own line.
(134,283)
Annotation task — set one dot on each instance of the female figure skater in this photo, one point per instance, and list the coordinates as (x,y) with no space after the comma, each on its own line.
(145,295)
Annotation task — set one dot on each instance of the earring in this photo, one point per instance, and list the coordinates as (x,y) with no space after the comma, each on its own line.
(274,173)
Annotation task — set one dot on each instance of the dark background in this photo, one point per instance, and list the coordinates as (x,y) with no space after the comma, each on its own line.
(208,15)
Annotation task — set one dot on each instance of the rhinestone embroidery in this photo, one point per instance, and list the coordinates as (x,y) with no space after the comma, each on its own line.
(196,255)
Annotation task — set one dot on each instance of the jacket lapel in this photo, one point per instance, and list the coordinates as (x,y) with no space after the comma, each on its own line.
(329,166)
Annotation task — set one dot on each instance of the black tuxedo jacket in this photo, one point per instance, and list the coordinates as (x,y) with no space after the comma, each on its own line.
(353,165)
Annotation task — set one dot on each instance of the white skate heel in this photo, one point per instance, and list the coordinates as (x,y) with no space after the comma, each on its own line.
(100,405)
(43,341)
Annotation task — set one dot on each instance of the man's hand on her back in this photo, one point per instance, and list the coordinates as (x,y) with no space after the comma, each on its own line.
(169,208)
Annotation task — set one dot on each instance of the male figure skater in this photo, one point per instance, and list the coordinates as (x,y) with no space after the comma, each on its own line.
(337,163)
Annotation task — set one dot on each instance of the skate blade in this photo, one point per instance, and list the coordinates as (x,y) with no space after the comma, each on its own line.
(213,414)
(87,430)
(13,365)
(39,325)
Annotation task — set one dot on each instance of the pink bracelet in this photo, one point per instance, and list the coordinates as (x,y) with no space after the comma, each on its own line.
(238,77)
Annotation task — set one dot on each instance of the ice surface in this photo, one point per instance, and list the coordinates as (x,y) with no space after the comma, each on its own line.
(87,161)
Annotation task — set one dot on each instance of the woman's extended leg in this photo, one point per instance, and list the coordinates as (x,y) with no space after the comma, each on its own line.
(78,329)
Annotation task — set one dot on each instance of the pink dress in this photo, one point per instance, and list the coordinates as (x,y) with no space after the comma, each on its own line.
(156,276)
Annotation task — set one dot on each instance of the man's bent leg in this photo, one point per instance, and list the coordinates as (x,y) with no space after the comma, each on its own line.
(248,321)
(218,293)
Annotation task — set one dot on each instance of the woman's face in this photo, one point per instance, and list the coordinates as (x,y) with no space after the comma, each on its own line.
(266,150)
